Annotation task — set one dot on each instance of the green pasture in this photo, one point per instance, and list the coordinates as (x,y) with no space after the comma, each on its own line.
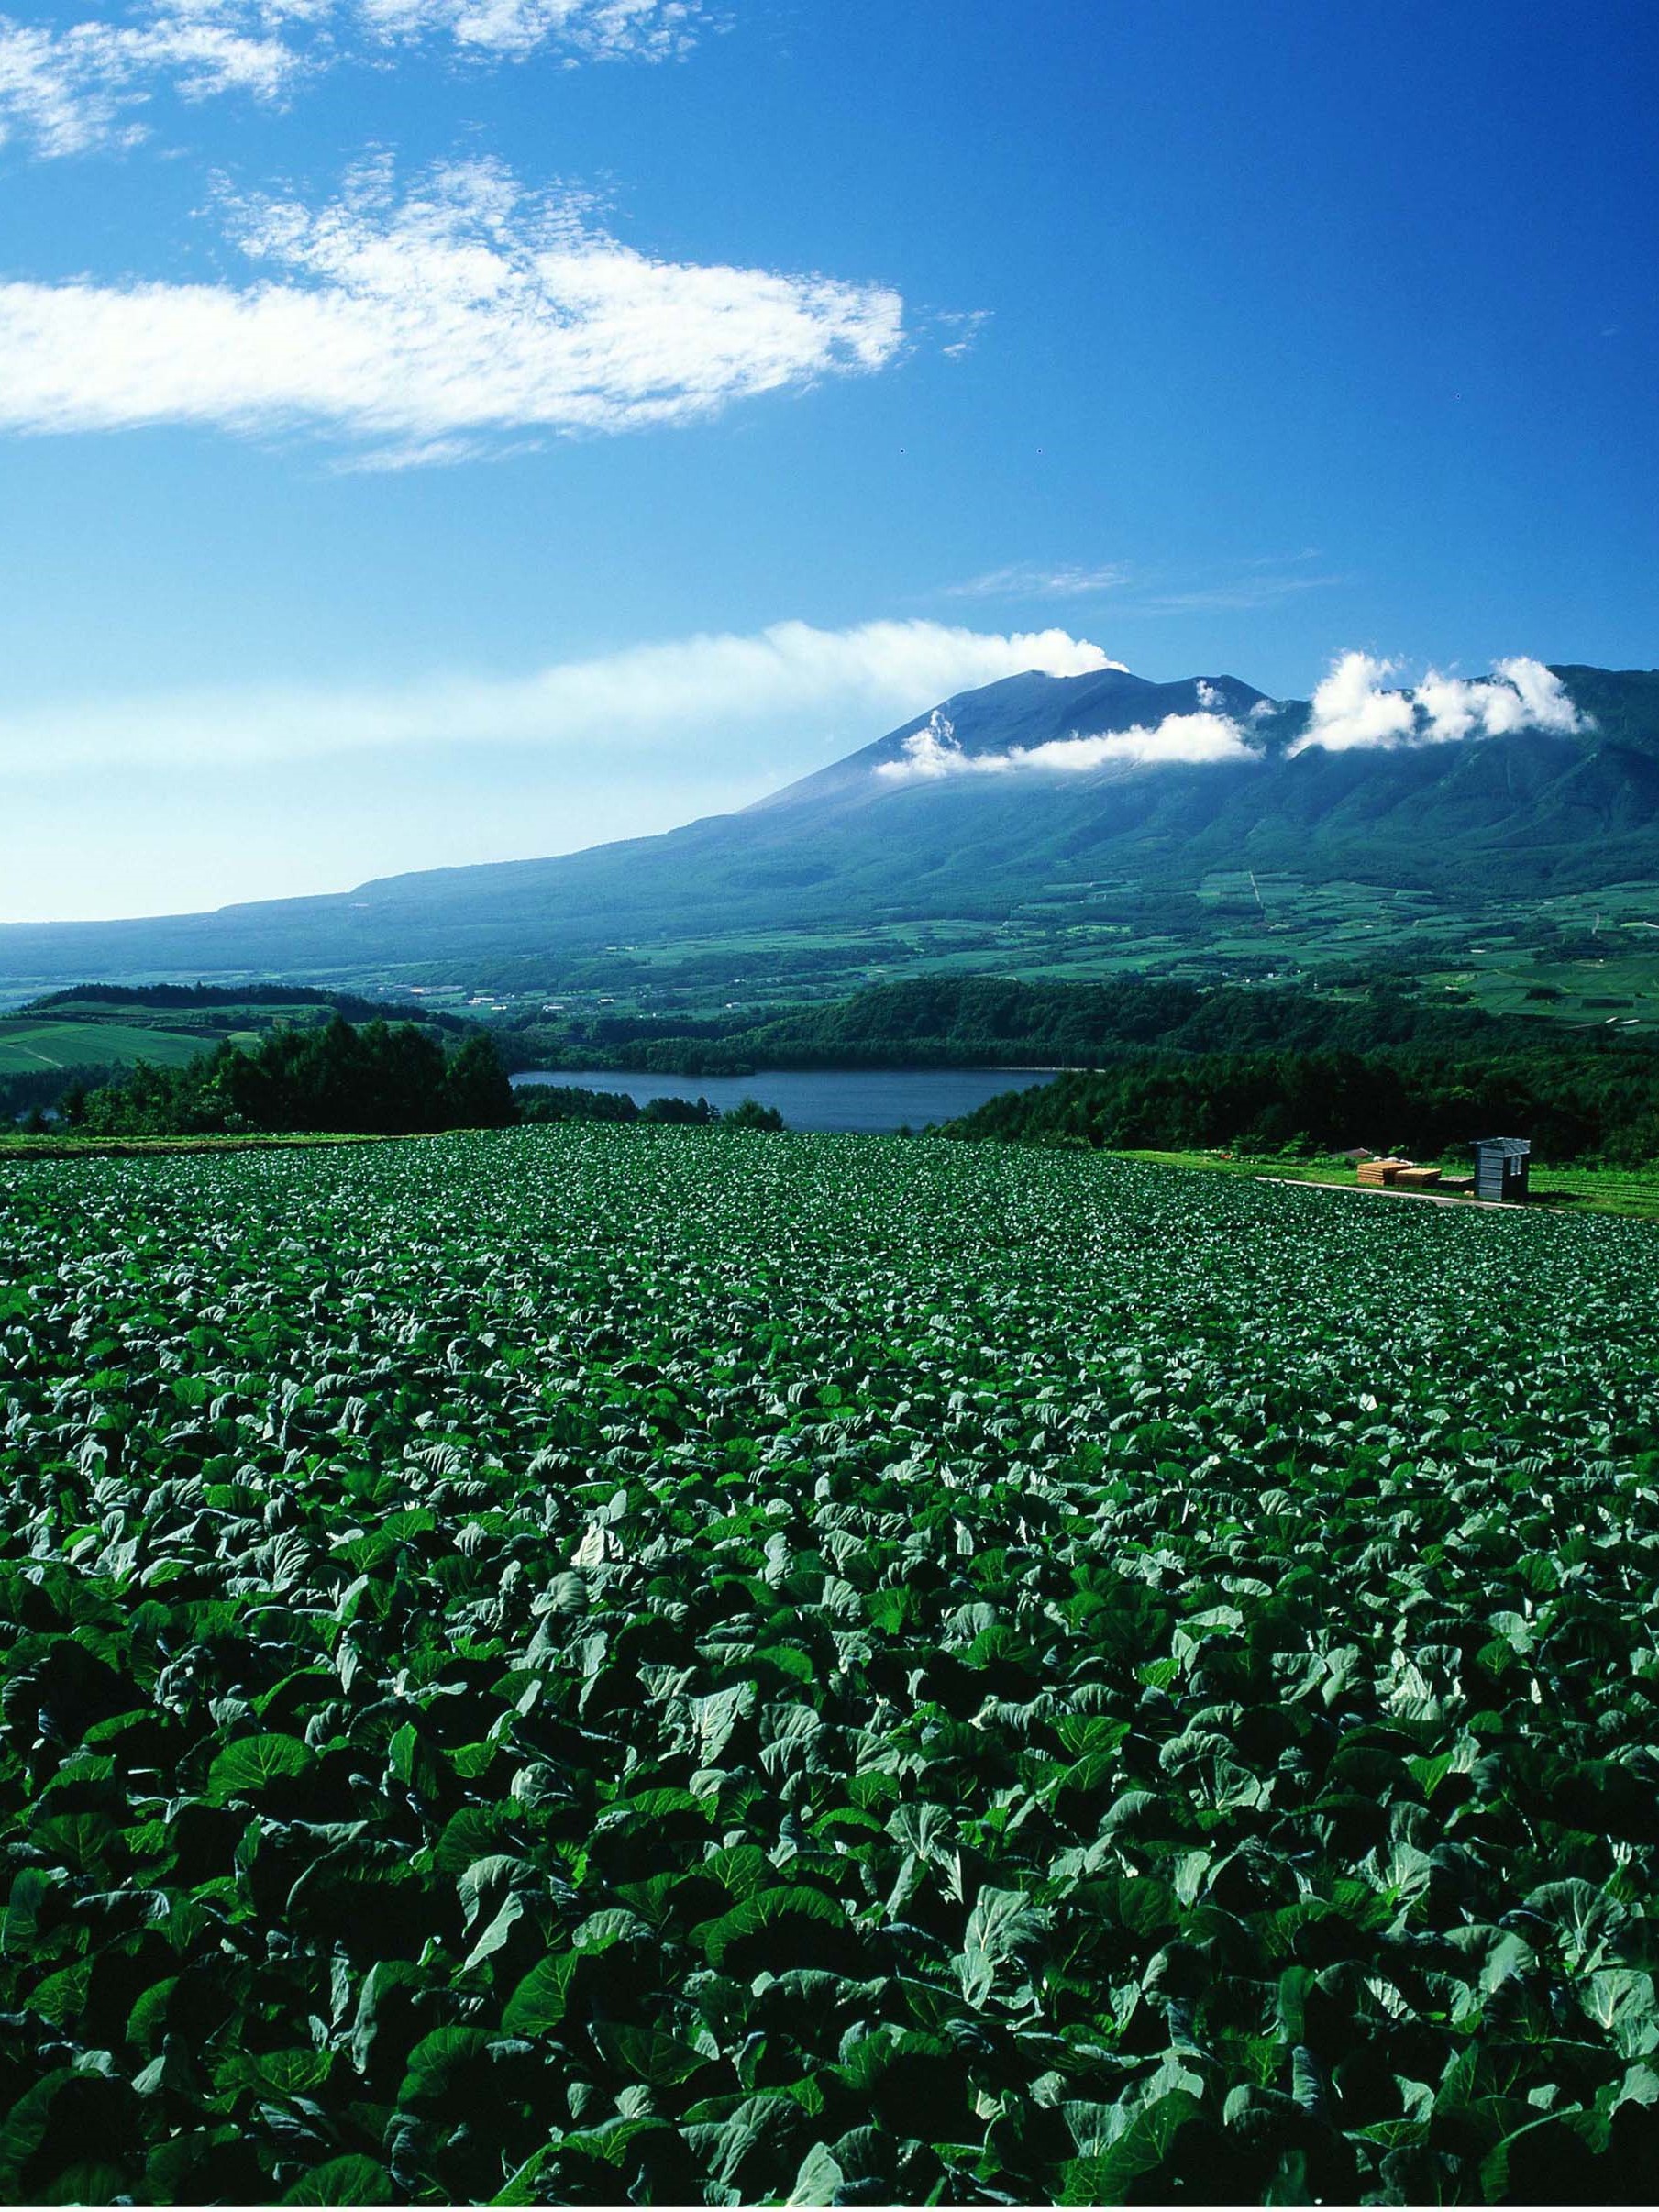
(30,1045)
(205,1023)
(1505,955)
(1501,957)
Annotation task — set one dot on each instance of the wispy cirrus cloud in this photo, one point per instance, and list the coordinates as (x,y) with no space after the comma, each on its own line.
(428,326)
(1250,584)
(70,89)
(1238,594)
(648,699)
(1037,579)
(1244,591)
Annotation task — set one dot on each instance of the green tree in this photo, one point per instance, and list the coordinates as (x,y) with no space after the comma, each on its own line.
(477,1093)
(749,1113)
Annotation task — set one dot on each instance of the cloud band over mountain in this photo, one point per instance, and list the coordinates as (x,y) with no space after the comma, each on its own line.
(934,753)
(1350,709)
(649,698)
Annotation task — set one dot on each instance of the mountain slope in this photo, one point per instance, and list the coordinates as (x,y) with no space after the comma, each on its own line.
(1532,809)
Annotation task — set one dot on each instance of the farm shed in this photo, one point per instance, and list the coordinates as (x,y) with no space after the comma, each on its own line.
(1500,1166)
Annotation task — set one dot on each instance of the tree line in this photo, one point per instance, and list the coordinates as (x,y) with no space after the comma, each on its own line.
(196,998)
(378,1078)
(1583,1106)
(569,1102)
(993,1020)
(382,1078)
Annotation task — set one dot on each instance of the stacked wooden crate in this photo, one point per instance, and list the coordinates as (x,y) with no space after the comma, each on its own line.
(1379,1173)
(1396,1174)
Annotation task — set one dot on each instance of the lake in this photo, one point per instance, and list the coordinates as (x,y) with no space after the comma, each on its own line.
(869,1098)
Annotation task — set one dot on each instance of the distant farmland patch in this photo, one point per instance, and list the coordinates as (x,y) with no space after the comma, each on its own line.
(31,1046)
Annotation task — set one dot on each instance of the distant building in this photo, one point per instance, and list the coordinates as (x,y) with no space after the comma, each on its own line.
(1500,1166)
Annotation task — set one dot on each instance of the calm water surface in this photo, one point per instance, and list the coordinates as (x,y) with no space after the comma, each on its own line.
(868,1099)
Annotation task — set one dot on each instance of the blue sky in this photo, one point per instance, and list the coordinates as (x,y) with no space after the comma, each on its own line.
(442,430)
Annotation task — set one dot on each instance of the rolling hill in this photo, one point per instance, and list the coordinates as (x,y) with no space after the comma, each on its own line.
(950,816)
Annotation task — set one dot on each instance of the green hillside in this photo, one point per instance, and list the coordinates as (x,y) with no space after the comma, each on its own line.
(995,1021)
(79,1038)
(30,1045)
(1247,859)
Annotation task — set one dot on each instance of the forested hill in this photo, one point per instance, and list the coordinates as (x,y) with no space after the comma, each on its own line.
(1573,1104)
(181,1000)
(991,1021)
(1163,1064)
(1535,808)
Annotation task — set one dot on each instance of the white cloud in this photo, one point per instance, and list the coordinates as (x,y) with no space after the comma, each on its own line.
(1543,695)
(587,29)
(1353,708)
(650,699)
(468,309)
(935,753)
(66,91)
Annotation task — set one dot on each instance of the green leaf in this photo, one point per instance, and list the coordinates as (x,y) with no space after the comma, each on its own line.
(1084,1734)
(62,1996)
(650,2056)
(403,1751)
(603,1930)
(496,1936)
(764,2123)
(24,2128)
(538,2006)
(1001,1923)
(437,2060)
(247,1768)
(1622,2000)
(476,1832)
(817,2179)
(90,2181)
(1092,1775)
(1108,2177)
(283,2073)
(351,2179)
(20,1924)
(773,1915)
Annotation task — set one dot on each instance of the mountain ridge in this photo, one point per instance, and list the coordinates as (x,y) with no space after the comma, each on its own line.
(1532,807)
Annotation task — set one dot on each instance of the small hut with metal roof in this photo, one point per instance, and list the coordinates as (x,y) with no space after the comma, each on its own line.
(1500,1167)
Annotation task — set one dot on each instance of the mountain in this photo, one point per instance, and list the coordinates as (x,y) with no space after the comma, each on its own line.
(948,816)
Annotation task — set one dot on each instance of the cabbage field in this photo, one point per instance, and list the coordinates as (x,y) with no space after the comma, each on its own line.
(669,1666)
